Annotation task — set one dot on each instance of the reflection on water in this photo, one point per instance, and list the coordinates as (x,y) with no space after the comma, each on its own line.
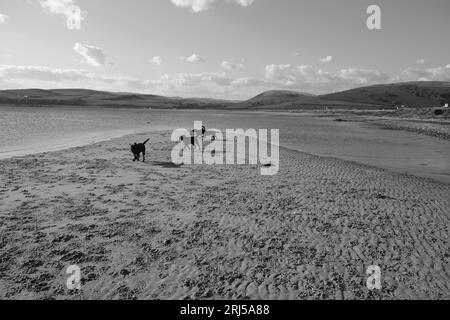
(25,129)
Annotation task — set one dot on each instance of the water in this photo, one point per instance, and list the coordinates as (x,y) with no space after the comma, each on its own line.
(29,130)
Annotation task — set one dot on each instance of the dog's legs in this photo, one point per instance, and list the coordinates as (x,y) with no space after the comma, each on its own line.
(143,156)
(197,144)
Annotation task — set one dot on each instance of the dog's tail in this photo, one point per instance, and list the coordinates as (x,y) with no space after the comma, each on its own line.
(146,141)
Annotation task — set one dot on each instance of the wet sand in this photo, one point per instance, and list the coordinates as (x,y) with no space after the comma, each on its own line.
(158,231)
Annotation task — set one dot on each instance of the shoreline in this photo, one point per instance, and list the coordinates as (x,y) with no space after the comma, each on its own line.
(69,143)
(439,178)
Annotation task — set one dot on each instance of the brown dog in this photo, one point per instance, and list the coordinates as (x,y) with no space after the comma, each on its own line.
(137,149)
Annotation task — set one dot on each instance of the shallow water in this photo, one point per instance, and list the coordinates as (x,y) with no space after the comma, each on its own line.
(25,130)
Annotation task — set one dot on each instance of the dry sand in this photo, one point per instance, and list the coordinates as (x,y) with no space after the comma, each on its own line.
(158,231)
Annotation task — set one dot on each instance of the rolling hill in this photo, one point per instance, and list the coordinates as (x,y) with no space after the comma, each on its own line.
(409,94)
(289,100)
(84,97)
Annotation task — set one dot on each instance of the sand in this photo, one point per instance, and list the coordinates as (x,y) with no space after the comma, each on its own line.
(158,231)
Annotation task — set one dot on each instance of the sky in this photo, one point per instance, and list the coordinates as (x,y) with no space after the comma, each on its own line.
(230,49)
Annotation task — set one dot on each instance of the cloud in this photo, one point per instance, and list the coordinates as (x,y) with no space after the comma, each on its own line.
(327,59)
(3,18)
(193,58)
(288,75)
(231,66)
(39,76)
(203,84)
(194,79)
(42,73)
(203,5)
(431,74)
(157,60)
(206,84)
(245,3)
(6,56)
(185,83)
(362,76)
(307,78)
(63,77)
(63,7)
(248,82)
(93,55)
(421,62)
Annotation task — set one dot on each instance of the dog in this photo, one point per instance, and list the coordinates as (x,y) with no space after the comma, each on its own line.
(199,132)
(137,149)
(190,141)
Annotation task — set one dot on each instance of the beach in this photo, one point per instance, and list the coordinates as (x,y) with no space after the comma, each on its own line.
(155,230)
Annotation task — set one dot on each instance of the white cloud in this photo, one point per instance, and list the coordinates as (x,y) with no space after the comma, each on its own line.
(3,18)
(245,3)
(157,60)
(41,73)
(6,56)
(302,78)
(231,66)
(193,58)
(362,76)
(422,62)
(39,76)
(202,5)
(203,84)
(61,7)
(93,55)
(307,78)
(287,74)
(327,59)
(194,79)
(431,74)
(248,82)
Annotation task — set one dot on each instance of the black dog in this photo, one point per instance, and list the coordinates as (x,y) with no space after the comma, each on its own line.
(137,149)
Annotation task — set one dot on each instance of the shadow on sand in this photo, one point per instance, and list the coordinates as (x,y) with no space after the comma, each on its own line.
(169,165)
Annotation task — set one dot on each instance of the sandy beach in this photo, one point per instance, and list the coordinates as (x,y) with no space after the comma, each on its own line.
(158,231)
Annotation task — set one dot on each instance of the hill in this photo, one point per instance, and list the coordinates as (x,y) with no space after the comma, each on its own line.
(84,97)
(409,94)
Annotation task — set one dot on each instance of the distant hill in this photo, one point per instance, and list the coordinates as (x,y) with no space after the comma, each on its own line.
(276,97)
(84,97)
(410,94)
